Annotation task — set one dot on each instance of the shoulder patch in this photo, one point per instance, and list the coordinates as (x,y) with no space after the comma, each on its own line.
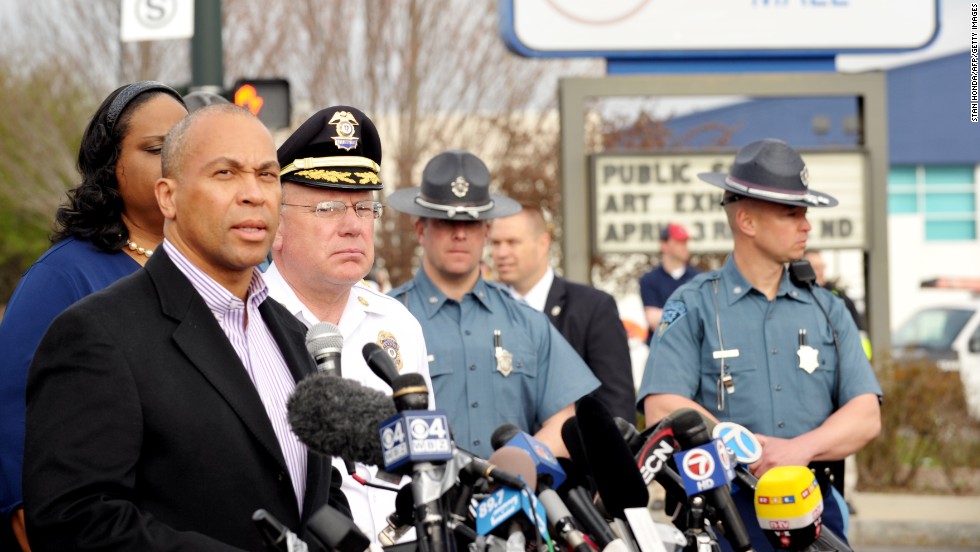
(673,311)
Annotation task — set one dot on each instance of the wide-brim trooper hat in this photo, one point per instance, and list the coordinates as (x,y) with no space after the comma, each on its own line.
(338,148)
(455,186)
(770,170)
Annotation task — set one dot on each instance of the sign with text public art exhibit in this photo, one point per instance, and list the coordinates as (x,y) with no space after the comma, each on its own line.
(633,196)
(648,28)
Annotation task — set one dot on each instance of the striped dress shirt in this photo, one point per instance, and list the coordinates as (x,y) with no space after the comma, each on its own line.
(259,353)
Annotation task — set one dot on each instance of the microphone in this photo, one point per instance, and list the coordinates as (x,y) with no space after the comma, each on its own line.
(324,341)
(509,512)
(550,472)
(275,535)
(580,503)
(691,433)
(379,361)
(613,467)
(518,464)
(634,439)
(577,468)
(410,392)
(788,505)
(339,417)
(401,520)
(562,520)
(492,472)
(336,532)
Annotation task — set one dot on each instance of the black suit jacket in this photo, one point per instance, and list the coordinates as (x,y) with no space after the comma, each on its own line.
(589,320)
(145,432)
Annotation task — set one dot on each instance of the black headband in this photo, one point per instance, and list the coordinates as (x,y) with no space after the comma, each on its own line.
(129,93)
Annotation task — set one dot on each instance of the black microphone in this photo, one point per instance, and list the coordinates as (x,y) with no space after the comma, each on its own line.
(690,432)
(401,520)
(336,532)
(325,342)
(379,361)
(577,467)
(339,417)
(613,467)
(579,501)
(490,472)
(410,392)
(502,435)
(563,522)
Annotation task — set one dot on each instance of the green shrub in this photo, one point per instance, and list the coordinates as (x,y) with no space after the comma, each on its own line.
(925,425)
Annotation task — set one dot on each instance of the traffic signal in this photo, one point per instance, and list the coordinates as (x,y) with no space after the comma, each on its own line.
(267,99)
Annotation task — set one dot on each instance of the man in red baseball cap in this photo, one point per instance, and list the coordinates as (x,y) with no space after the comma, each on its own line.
(657,285)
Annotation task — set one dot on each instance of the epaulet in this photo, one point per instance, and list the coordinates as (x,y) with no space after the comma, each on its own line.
(499,285)
(404,288)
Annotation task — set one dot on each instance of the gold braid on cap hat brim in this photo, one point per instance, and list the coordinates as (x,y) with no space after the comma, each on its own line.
(336,161)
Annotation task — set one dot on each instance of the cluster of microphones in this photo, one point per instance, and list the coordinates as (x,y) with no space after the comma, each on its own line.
(523,498)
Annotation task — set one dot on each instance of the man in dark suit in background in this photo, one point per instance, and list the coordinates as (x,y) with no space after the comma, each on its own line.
(156,409)
(587,317)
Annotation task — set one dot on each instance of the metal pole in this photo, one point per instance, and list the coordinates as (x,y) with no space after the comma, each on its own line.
(207,62)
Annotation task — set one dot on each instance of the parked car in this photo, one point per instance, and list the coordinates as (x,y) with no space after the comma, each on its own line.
(949,335)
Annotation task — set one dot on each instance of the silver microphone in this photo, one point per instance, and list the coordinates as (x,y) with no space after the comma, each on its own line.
(324,342)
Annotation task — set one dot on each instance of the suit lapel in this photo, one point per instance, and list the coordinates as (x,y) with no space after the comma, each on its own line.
(555,305)
(201,339)
(289,336)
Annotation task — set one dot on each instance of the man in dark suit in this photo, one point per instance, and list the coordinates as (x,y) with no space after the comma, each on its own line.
(587,317)
(156,414)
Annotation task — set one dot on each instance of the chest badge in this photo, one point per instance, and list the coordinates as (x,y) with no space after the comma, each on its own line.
(387,341)
(808,355)
(505,361)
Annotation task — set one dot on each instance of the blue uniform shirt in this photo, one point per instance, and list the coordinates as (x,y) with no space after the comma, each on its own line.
(547,374)
(773,394)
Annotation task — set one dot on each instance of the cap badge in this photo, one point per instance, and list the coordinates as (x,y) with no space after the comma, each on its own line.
(345,123)
(389,343)
(805,177)
(460,186)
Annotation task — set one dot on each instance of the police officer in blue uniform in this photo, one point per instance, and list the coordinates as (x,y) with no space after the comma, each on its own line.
(748,344)
(492,359)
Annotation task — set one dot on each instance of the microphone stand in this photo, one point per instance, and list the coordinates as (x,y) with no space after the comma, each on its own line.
(700,536)
(431,524)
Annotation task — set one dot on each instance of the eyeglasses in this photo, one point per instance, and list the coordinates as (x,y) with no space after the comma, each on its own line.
(337,209)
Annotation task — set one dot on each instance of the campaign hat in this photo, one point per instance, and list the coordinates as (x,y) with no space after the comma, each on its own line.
(455,186)
(770,170)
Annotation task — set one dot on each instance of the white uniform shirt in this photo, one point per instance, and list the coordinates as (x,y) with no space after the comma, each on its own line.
(370,316)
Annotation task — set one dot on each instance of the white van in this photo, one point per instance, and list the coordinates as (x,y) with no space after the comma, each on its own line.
(948,334)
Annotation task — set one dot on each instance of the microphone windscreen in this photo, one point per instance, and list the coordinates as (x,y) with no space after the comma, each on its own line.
(690,428)
(572,438)
(616,476)
(788,505)
(324,336)
(339,417)
(516,461)
(502,435)
(410,392)
(405,506)
(379,361)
